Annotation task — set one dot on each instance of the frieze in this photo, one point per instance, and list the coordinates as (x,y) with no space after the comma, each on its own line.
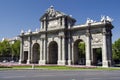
(25,45)
(96,38)
(53,23)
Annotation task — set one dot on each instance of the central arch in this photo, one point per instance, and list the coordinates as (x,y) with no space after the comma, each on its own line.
(25,56)
(97,56)
(53,53)
(79,52)
(36,53)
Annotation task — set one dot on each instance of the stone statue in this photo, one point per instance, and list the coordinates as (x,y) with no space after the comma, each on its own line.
(37,30)
(106,18)
(22,31)
(51,11)
(89,21)
(29,30)
(109,19)
(103,18)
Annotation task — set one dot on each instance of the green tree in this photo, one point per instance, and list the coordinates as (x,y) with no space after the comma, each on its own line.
(81,47)
(5,48)
(16,49)
(99,53)
(116,50)
(1,48)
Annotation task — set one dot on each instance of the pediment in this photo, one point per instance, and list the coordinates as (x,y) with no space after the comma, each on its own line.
(51,13)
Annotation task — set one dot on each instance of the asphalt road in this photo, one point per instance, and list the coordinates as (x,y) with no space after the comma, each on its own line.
(59,75)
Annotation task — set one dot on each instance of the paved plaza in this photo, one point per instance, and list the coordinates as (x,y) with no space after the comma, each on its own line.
(59,75)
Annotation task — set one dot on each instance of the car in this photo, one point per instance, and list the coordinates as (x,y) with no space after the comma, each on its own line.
(4,61)
(12,61)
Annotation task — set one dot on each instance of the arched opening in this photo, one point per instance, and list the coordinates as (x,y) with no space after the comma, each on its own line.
(36,53)
(53,53)
(79,53)
(25,56)
(97,56)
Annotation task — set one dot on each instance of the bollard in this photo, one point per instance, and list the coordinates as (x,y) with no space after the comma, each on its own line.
(33,66)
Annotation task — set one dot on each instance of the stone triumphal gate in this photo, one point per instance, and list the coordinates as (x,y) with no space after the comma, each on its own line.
(57,41)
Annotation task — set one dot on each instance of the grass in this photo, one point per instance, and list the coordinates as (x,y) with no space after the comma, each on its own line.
(74,68)
(57,68)
(117,65)
(2,67)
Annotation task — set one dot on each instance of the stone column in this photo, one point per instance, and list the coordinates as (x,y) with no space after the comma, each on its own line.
(44,52)
(109,43)
(21,50)
(44,27)
(42,24)
(29,50)
(63,22)
(110,50)
(41,52)
(59,51)
(88,48)
(47,53)
(72,54)
(105,50)
(63,51)
(92,56)
(69,51)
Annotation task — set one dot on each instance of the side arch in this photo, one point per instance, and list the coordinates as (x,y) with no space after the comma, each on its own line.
(53,52)
(79,57)
(35,53)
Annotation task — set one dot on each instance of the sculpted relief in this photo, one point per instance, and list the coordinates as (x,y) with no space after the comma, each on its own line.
(53,23)
(96,38)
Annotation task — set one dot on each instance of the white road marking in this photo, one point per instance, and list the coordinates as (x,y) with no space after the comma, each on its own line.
(13,77)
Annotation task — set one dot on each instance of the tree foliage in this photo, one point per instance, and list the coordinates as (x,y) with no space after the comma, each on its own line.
(9,50)
(116,50)
(99,54)
(81,47)
(5,48)
(16,48)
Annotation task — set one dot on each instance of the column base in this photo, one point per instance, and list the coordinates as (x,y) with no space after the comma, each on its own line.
(20,61)
(105,64)
(42,62)
(110,63)
(28,61)
(88,62)
(61,62)
(69,62)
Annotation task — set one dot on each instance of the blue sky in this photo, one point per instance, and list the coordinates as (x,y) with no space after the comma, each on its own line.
(17,15)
